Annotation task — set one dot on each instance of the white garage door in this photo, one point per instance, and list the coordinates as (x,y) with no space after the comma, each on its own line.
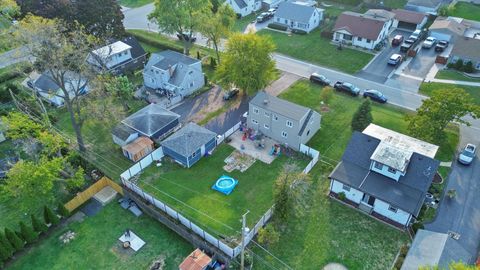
(440,36)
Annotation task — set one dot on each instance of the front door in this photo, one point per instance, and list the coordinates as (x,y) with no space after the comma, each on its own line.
(367,199)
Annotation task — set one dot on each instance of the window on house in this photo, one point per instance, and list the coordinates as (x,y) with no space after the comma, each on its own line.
(255,110)
(346,188)
(393,209)
(278,19)
(359,39)
(286,21)
(275,117)
(368,40)
(308,132)
(284,134)
(255,121)
(391,170)
(194,154)
(266,126)
(347,37)
(378,166)
(289,123)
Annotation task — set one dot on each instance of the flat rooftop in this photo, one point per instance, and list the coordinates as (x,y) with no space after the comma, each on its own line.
(392,156)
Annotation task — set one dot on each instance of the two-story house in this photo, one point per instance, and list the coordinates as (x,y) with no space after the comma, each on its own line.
(361,30)
(298,16)
(385,174)
(281,120)
(244,7)
(118,57)
(175,73)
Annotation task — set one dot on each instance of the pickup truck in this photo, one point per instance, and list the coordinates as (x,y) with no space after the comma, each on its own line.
(407,45)
(347,88)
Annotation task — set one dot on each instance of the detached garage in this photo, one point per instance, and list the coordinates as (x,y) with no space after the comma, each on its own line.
(446,29)
(409,20)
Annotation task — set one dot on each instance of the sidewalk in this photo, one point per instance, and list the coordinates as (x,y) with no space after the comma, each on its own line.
(457,82)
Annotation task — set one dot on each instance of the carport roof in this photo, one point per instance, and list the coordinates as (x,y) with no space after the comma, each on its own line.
(409,16)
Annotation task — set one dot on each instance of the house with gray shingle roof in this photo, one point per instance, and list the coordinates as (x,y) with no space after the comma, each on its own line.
(175,74)
(285,122)
(189,144)
(298,16)
(385,174)
(244,7)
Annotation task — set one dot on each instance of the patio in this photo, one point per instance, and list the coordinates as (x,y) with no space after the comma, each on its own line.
(251,148)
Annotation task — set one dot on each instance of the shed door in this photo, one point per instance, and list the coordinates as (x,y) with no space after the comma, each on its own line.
(202,150)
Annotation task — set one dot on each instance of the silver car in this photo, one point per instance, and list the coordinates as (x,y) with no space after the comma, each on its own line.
(467,155)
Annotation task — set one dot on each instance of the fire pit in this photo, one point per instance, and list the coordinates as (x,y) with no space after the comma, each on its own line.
(126,244)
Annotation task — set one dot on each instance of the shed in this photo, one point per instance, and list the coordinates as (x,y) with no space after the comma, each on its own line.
(123,135)
(189,144)
(197,260)
(138,149)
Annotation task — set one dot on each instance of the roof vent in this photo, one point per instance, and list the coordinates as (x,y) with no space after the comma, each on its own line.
(265,101)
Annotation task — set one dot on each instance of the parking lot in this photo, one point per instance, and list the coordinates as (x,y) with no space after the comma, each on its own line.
(378,70)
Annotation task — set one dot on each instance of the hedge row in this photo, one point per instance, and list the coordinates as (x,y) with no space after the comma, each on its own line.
(156,43)
(277,26)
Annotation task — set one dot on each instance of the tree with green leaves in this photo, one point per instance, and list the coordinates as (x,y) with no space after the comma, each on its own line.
(28,234)
(38,225)
(49,216)
(443,106)
(62,210)
(252,51)
(9,9)
(7,247)
(180,17)
(14,240)
(19,126)
(362,117)
(120,88)
(102,18)
(217,26)
(268,235)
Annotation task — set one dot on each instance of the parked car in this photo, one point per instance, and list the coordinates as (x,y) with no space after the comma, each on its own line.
(429,43)
(320,79)
(375,95)
(418,34)
(230,94)
(407,45)
(395,59)
(397,40)
(263,17)
(347,87)
(441,46)
(467,155)
(272,11)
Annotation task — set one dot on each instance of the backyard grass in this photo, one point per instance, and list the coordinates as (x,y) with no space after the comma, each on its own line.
(220,214)
(96,244)
(428,88)
(241,24)
(454,75)
(134,3)
(318,50)
(467,11)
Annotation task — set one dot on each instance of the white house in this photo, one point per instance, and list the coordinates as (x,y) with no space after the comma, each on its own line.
(244,7)
(298,16)
(385,174)
(176,74)
(47,88)
(360,30)
(119,56)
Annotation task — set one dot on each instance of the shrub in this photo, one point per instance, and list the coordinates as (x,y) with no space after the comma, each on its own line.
(277,26)
(14,240)
(62,210)
(450,65)
(468,67)
(198,55)
(27,233)
(38,225)
(417,226)
(49,216)
(362,117)
(399,263)
(268,235)
(213,62)
(341,196)
(326,94)
(6,246)
(299,32)
(459,64)
(326,34)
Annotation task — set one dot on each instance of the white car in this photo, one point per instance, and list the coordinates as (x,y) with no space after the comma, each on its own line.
(429,42)
(468,154)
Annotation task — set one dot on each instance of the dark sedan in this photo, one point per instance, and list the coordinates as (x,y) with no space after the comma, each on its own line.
(320,79)
(375,95)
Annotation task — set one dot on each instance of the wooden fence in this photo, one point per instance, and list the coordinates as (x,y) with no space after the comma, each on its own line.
(85,195)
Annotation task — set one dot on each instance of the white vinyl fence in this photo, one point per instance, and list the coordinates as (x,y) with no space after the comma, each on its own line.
(143,164)
(229,132)
(314,154)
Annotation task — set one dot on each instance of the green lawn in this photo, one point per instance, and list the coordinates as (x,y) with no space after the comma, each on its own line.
(96,245)
(428,88)
(221,214)
(241,24)
(317,50)
(466,10)
(134,3)
(329,231)
(447,74)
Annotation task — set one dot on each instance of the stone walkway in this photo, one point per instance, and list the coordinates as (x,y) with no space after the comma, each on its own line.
(280,85)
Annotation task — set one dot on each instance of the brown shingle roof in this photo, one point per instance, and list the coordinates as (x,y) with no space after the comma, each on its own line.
(360,25)
(444,23)
(467,48)
(197,260)
(408,16)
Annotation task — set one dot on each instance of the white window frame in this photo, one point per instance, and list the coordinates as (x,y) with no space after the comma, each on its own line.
(346,188)
(378,166)
(254,121)
(289,124)
(256,110)
(392,209)
(267,114)
(284,134)
(391,170)
(275,117)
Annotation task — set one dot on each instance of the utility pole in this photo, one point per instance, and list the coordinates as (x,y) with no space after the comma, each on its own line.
(242,254)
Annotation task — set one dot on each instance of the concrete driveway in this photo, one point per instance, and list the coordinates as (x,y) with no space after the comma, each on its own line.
(462,214)
(378,69)
(422,63)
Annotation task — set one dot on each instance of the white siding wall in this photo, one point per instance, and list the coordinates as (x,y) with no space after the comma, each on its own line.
(118,58)
(363,42)
(384,171)
(400,216)
(353,195)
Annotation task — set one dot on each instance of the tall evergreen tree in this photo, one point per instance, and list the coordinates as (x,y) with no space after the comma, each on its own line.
(50,217)
(27,233)
(6,245)
(62,210)
(14,240)
(362,117)
(38,225)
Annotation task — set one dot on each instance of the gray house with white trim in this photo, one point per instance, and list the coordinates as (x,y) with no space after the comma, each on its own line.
(298,16)
(286,122)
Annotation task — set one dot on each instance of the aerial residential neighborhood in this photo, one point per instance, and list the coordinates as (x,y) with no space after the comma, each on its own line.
(240,134)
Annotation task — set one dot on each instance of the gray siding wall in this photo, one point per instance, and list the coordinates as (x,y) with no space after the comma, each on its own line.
(312,127)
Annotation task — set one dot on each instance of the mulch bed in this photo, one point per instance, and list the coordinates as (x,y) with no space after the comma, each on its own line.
(437,179)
